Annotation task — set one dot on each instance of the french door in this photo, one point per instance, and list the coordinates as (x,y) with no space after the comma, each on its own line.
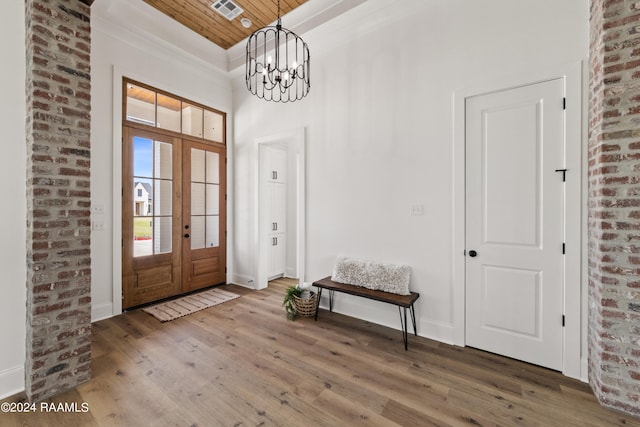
(173,216)
(204,215)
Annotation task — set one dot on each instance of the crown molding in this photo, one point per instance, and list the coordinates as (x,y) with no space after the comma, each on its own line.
(135,19)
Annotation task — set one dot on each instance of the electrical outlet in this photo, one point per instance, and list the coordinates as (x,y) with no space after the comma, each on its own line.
(97,225)
(416,210)
(97,209)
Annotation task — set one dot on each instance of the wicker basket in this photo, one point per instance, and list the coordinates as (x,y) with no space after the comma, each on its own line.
(306,307)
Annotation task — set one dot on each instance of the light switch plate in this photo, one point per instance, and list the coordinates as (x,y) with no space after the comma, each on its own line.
(416,210)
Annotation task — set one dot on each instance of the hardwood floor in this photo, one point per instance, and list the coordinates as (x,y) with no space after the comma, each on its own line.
(242,363)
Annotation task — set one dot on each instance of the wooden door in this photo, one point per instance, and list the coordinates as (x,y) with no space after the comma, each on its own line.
(204,215)
(515,222)
(151,216)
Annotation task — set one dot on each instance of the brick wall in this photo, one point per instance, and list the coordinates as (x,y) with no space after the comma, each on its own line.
(614,204)
(58,44)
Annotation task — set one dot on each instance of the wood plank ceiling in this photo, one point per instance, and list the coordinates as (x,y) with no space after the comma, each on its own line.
(201,18)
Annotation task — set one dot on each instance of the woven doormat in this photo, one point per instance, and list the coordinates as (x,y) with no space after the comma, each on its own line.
(174,309)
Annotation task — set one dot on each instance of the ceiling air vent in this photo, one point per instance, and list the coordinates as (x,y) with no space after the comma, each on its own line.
(227,8)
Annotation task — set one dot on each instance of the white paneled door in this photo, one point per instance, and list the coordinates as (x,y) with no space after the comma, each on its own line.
(515,222)
(274,173)
(276,229)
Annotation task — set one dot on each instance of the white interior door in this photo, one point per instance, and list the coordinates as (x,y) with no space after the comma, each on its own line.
(515,222)
(277,199)
(274,173)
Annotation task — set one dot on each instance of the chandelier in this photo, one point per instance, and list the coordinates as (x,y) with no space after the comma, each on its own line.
(277,66)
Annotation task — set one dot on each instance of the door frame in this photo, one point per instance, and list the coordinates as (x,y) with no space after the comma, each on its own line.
(574,336)
(294,140)
(118,73)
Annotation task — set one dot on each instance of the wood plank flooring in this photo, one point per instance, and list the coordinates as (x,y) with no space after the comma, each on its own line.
(242,363)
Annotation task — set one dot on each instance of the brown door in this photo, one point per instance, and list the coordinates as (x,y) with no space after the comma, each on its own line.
(173,216)
(151,216)
(204,219)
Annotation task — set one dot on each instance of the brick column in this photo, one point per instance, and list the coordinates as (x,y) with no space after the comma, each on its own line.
(614,204)
(58,86)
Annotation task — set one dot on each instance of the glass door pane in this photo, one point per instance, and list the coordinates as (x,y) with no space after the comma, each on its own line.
(152,196)
(205,198)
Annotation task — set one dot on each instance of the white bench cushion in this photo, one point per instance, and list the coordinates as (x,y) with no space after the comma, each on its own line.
(372,275)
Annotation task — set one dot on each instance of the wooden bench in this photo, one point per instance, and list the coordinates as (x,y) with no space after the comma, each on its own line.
(402,301)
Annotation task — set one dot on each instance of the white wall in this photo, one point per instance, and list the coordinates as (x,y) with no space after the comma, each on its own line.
(12,193)
(119,47)
(379,121)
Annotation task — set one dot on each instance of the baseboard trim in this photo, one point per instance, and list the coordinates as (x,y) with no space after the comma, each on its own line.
(584,369)
(11,381)
(429,329)
(101,312)
(243,280)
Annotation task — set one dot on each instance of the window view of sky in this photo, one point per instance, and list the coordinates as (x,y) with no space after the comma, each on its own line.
(142,157)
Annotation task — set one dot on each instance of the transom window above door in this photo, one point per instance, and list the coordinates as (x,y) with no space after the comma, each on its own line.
(151,107)
(173,195)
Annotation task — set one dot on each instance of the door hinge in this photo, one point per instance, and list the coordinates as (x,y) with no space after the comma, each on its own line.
(564,103)
(564,248)
(563,320)
(225,269)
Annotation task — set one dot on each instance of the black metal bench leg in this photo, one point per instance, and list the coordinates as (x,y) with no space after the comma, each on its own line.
(318,302)
(413,320)
(403,325)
